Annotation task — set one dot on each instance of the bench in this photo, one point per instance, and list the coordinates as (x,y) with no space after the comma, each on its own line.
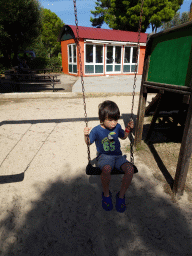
(33,79)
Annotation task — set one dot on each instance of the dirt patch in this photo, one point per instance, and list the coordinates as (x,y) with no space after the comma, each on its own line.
(50,207)
(161,154)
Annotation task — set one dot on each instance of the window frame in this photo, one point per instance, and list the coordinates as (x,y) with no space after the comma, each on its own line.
(131,58)
(113,63)
(94,63)
(72,56)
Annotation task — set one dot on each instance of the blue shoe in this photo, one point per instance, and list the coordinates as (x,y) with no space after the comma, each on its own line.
(120,203)
(107,202)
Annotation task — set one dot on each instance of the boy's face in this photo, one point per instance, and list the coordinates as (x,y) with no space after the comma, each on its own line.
(110,123)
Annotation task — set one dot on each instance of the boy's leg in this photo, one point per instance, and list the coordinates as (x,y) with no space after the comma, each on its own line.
(106,164)
(127,178)
(105,179)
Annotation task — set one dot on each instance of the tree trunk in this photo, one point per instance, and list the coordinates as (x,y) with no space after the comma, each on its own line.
(15,60)
(7,58)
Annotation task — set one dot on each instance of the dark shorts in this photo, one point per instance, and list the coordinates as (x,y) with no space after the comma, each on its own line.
(113,161)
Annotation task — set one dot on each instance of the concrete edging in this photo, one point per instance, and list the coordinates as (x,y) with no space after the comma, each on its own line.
(37,95)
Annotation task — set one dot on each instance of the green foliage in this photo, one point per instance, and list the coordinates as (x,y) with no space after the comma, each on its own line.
(20,23)
(54,63)
(46,44)
(2,68)
(177,20)
(100,12)
(125,15)
(52,25)
(39,48)
(38,63)
(28,26)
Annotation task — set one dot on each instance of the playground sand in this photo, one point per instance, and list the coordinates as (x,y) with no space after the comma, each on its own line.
(56,209)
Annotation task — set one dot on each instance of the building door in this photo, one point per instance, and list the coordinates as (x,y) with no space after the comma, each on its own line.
(113,59)
(72,59)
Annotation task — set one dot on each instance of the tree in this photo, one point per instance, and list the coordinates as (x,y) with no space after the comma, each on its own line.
(101,9)
(124,15)
(20,24)
(177,20)
(52,25)
(190,12)
(46,44)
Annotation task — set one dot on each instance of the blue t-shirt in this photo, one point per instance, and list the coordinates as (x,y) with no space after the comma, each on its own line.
(106,140)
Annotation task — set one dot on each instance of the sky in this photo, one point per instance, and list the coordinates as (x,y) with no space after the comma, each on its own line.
(65,11)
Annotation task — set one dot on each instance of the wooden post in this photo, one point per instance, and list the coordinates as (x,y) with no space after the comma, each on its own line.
(155,116)
(142,104)
(184,155)
(140,118)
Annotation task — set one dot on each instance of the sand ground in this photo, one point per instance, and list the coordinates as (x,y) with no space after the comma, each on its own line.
(49,206)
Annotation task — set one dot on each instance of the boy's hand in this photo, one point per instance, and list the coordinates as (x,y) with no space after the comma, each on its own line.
(130,125)
(86,130)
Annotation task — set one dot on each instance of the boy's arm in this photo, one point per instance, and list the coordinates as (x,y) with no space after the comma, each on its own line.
(86,135)
(128,129)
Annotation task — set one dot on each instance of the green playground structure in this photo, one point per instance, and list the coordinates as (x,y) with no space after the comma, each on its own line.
(167,71)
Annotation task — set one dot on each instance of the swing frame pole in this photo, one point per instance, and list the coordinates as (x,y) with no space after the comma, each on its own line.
(184,154)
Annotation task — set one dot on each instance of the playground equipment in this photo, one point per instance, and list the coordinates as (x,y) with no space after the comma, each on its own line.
(167,71)
(90,169)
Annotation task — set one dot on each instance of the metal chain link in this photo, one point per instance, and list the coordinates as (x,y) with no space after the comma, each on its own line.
(135,78)
(81,73)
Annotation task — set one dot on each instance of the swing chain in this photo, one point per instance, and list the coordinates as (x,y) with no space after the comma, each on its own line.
(82,81)
(81,72)
(134,84)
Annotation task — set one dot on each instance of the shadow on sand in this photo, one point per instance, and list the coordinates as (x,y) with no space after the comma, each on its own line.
(68,219)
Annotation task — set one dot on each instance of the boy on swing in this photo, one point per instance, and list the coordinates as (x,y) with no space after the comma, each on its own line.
(109,156)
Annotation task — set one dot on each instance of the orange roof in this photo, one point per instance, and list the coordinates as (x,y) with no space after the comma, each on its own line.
(105,34)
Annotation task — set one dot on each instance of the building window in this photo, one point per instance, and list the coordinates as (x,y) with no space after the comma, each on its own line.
(94,59)
(72,58)
(129,62)
(113,59)
(89,53)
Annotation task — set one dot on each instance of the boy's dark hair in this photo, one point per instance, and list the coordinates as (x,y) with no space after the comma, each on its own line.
(108,109)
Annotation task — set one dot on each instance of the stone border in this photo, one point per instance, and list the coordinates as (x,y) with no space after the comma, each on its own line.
(61,95)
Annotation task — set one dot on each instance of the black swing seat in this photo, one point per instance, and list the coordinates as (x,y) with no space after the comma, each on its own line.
(91,170)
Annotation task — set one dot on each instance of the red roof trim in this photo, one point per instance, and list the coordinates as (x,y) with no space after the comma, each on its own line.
(108,34)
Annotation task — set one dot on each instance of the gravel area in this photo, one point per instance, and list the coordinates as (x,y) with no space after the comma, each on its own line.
(49,206)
